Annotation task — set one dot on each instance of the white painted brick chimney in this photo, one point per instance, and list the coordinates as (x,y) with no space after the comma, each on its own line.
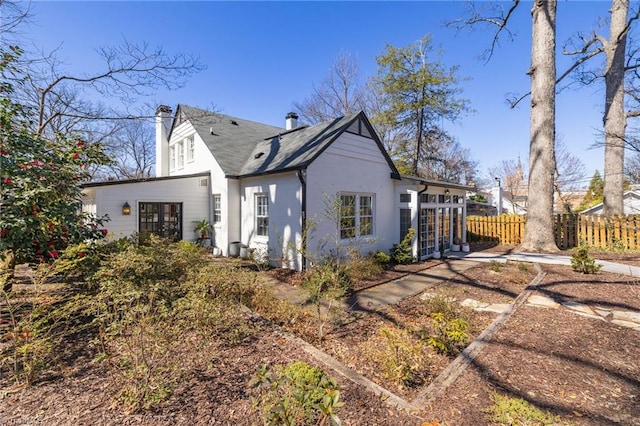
(291,121)
(164,117)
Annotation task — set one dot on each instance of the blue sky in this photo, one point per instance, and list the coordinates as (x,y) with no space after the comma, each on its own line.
(263,56)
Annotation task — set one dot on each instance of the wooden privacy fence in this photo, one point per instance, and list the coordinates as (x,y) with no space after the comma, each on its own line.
(620,232)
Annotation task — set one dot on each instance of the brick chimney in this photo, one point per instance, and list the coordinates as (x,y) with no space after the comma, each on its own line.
(164,117)
(291,121)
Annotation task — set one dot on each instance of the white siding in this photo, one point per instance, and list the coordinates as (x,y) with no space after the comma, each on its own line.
(285,198)
(109,200)
(351,164)
(203,161)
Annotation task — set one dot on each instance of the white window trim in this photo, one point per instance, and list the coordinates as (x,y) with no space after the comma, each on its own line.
(190,147)
(180,155)
(172,157)
(358,234)
(219,197)
(258,216)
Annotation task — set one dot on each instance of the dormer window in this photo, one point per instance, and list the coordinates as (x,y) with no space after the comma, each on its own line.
(180,153)
(190,145)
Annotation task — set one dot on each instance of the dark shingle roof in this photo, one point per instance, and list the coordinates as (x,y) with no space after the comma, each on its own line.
(296,148)
(246,148)
(229,139)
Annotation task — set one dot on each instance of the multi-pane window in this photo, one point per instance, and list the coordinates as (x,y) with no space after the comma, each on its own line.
(191,148)
(217,208)
(172,158)
(347,216)
(405,198)
(180,154)
(366,215)
(162,219)
(405,222)
(262,215)
(356,215)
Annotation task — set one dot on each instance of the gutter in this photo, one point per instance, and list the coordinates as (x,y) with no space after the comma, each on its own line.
(422,191)
(302,176)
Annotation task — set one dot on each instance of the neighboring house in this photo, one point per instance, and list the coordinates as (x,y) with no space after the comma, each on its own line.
(504,203)
(258,184)
(630,200)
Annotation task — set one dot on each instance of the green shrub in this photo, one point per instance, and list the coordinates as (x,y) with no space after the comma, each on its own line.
(147,308)
(516,411)
(450,334)
(581,262)
(325,281)
(403,360)
(381,259)
(495,266)
(402,253)
(296,394)
(156,301)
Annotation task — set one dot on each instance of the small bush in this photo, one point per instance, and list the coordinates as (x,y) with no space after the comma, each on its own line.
(362,268)
(381,259)
(402,253)
(325,281)
(403,361)
(450,334)
(516,411)
(284,313)
(158,300)
(581,262)
(442,305)
(296,394)
(495,266)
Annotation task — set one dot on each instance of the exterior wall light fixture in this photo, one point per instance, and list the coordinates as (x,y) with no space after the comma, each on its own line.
(126,209)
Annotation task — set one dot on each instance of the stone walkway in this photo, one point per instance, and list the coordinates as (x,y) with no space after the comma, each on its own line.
(420,283)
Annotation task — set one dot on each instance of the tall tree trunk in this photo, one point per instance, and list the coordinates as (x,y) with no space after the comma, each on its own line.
(614,116)
(539,227)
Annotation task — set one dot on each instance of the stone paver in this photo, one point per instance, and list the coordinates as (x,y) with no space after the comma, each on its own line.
(402,288)
(547,302)
(420,282)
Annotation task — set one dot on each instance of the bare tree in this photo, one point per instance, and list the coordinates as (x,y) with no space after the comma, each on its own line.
(618,63)
(539,230)
(511,175)
(614,115)
(341,92)
(632,169)
(133,150)
(131,71)
(538,234)
(570,172)
(447,160)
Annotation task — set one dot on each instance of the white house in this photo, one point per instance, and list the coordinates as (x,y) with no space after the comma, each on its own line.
(258,184)
(630,201)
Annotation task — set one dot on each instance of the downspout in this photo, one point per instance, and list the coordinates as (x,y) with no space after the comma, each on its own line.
(302,176)
(422,191)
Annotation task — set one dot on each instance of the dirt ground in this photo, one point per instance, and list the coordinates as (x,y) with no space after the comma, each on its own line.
(582,369)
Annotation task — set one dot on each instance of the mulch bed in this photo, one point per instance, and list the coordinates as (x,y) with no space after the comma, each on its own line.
(583,369)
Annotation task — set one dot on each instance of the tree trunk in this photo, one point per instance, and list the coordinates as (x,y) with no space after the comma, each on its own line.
(614,116)
(539,227)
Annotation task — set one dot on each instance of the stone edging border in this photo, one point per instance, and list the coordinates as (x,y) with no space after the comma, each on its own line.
(468,355)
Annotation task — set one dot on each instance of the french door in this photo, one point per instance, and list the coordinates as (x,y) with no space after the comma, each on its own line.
(427,231)
(161,219)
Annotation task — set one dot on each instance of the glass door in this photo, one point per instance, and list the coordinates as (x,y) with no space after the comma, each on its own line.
(427,231)
(161,219)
